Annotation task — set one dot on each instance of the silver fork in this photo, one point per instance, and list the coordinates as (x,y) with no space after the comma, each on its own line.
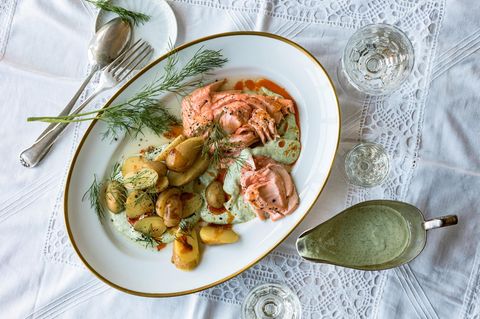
(111,75)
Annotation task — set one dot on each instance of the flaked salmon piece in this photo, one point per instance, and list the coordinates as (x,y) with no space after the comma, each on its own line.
(276,107)
(243,137)
(256,114)
(264,125)
(262,161)
(269,188)
(196,110)
(234,115)
(287,106)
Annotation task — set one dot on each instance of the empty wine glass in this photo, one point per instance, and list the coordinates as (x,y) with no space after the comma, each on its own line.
(272,301)
(367,164)
(377,59)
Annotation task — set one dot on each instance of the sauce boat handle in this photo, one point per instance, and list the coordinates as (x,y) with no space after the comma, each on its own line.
(440,222)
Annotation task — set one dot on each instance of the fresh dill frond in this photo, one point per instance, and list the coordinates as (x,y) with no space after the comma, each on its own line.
(185,226)
(141,179)
(143,109)
(96,189)
(147,239)
(115,174)
(93,194)
(132,120)
(136,18)
(218,145)
(152,196)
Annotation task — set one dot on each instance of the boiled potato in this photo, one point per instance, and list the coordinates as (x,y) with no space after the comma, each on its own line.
(152,226)
(217,235)
(132,164)
(144,178)
(136,163)
(197,169)
(182,156)
(173,211)
(161,203)
(115,196)
(169,206)
(163,154)
(162,184)
(186,254)
(138,203)
(215,195)
(197,185)
(158,167)
(191,203)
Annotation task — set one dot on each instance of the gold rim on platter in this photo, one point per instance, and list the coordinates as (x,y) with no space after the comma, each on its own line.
(163,57)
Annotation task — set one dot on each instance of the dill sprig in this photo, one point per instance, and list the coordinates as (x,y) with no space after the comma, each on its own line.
(116,173)
(143,109)
(184,226)
(137,180)
(132,120)
(153,197)
(95,191)
(136,18)
(93,194)
(147,239)
(218,145)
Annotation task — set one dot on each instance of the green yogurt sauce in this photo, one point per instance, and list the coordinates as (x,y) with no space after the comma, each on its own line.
(366,236)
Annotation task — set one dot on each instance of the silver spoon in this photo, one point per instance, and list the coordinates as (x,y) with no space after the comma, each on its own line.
(106,45)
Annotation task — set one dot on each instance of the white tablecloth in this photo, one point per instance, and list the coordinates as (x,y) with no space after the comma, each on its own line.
(429,127)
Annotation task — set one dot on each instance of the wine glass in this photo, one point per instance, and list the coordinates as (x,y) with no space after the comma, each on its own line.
(367,164)
(377,59)
(271,301)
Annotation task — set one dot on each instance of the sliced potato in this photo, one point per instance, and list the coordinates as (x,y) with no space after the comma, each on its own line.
(152,226)
(169,206)
(136,163)
(161,203)
(115,196)
(215,195)
(173,211)
(186,253)
(132,164)
(144,178)
(182,156)
(197,169)
(217,235)
(138,203)
(160,186)
(191,203)
(163,154)
(158,167)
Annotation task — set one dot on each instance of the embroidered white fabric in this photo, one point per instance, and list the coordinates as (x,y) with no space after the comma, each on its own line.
(395,122)
(428,157)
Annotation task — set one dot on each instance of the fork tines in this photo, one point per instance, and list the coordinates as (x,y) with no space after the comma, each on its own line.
(122,66)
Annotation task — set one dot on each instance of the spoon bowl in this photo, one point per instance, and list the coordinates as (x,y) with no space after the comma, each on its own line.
(109,41)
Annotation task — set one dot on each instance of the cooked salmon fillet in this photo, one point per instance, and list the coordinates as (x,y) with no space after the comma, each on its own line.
(269,188)
(246,117)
